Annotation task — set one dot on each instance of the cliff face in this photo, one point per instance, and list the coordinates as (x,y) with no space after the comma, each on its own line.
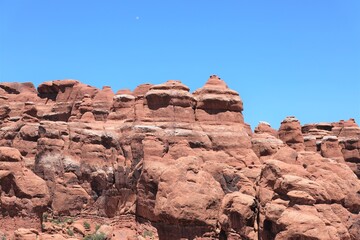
(162,163)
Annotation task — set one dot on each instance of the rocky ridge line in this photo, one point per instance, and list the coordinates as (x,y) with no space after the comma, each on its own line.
(162,163)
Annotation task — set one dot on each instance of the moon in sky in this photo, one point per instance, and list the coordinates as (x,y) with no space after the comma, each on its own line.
(137,18)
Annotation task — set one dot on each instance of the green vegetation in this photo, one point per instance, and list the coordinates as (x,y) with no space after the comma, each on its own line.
(87,225)
(60,221)
(97,227)
(69,220)
(45,217)
(57,221)
(148,233)
(3,237)
(95,236)
(70,232)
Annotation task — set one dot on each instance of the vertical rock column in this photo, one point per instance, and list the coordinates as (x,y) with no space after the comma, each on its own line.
(290,133)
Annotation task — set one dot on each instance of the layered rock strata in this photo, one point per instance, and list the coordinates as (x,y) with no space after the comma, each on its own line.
(160,162)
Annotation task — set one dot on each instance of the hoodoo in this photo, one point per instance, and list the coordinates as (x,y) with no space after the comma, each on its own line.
(160,162)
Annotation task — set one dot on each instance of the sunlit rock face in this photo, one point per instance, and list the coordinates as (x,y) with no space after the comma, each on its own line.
(338,141)
(290,133)
(161,162)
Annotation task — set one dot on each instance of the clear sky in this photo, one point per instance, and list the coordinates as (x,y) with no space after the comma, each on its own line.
(285,58)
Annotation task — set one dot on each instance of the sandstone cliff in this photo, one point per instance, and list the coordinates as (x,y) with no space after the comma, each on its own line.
(159,162)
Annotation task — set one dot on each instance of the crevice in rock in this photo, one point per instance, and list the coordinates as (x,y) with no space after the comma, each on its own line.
(9,89)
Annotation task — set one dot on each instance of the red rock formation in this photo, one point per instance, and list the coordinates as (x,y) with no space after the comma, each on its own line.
(216,102)
(265,127)
(290,133)
(162,163)
(339,140)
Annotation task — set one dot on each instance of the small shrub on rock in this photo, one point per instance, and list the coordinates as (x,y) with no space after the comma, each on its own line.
(87,225)
(95,236)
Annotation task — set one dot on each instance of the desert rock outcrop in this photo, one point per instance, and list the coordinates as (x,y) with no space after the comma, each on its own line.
(161,162)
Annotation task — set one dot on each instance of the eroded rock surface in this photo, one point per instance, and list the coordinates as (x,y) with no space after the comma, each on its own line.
(160,162)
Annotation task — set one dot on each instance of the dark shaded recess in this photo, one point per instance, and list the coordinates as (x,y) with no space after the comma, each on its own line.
(229,183)
(351,141)
(286,128)
(155,101)
(222,235)
(357,172)
(100,114)
(75,138)
(121,178)
(23,153)
(10,135)
(265,152)
(32,112)
(108,142)
(52,95)
(9,187)
(5,112)
(30,138)
(152,187)
(353,160)
(178,231)
(9,89)
(237,221)
(42,131)
(196,144)
(302,237)
(292,140)
(306,128)
(214,111)
(166,147)
(322,127)
(98,184)
(60,116)
(6,183)
(221,106)
(350,145)
(268,233)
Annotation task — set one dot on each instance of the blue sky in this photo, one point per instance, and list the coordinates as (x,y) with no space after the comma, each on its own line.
(285,58)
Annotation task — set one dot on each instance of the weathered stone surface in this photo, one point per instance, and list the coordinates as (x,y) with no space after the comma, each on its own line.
(338,140)
(216,95)
(265,144)
(290,133)
(330,148)
(238,215)
(26,234)
(265,127)
(8,154)
(163,163)
(315,182)
(69,200)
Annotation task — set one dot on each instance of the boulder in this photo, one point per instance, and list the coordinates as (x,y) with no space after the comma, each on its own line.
(8,154)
